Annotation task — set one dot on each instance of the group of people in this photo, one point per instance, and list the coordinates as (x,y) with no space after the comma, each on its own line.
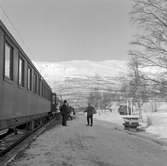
(65,109)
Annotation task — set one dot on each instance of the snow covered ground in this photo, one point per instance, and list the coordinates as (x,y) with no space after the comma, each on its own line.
(81,145)
(108,116)
(155,122)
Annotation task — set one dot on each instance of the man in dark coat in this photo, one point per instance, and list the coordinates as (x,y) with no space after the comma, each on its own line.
(90,110)
(64,112)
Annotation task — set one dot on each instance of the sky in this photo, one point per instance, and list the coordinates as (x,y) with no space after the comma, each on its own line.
(65,30)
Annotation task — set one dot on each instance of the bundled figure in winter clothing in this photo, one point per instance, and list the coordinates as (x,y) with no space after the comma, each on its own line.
(71,113)
(64,112)
(90,110)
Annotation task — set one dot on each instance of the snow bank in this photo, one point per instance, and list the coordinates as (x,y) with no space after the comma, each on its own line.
(154,122)
(108,116)
(157,123)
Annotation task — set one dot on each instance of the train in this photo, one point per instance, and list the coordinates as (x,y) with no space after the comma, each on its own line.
(25,96)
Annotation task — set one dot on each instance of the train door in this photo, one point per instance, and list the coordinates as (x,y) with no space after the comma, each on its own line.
(54,102)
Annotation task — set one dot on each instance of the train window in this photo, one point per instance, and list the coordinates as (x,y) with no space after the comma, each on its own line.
(8,61)
(48,95)
(21,72)
(41,87)
(53,99)
(29,78)
(39,84)
(43,90)
(35,82)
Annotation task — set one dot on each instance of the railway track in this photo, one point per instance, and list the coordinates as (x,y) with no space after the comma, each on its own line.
(13,144)
(11,140)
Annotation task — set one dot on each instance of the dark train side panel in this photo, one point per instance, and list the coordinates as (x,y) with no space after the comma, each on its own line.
(17,103)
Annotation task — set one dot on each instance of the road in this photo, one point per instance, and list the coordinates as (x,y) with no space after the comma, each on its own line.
(100,145)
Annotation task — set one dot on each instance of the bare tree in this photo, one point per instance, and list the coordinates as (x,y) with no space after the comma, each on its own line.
(94,97)
(150,45)
(102,99)
(151,16)
(134,88)
(137,85)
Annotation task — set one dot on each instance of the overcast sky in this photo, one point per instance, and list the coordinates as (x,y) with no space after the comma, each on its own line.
(61,30)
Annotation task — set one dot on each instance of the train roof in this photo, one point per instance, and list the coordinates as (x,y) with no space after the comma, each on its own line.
(6,31)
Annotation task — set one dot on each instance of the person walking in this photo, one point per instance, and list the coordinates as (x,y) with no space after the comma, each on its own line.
(64,112)
(90,110)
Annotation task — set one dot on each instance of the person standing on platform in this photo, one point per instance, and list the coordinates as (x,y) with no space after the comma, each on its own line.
(64,112)
(90,110)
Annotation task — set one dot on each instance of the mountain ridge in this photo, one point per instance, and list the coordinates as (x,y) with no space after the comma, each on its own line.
(80,69)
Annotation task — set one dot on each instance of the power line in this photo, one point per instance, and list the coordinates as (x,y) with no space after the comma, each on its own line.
(15,29)
(11,23)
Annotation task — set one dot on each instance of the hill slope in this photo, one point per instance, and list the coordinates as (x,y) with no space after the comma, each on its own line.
(74,80)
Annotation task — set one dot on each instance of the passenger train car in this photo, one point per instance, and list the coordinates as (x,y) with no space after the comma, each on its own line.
(24,95)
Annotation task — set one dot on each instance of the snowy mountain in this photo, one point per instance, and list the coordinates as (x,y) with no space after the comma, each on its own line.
(74,80)
(59,71)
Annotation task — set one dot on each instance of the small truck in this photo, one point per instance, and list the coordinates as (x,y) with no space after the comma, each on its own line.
(131,121)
